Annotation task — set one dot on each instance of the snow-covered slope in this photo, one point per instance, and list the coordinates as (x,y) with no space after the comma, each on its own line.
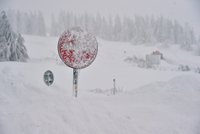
(150,101)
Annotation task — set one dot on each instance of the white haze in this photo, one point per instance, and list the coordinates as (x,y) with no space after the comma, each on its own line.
(185,11)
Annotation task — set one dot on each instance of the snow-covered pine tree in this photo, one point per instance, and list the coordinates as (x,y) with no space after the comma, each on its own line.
(41,28)
(11,44)
(21,51)
(54,29)
(198,40)
(5,36)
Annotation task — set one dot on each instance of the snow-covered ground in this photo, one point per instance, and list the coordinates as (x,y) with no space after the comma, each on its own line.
(162,100)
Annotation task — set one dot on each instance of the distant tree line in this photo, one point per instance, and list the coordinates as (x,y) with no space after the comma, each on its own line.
(31,23)
(138,30)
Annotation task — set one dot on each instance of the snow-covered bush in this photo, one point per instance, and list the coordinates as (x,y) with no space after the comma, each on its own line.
(140,62)
(11,44)
(197,49)
(107,92)
(184,68)
(197,70)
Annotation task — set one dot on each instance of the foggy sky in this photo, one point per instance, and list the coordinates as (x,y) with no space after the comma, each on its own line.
(182,10)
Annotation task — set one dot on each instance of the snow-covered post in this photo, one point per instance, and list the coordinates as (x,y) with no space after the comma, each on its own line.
(77,49)
(114,86)
(75,82)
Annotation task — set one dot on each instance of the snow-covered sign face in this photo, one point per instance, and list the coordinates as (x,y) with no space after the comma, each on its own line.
(48,77)
(77,48)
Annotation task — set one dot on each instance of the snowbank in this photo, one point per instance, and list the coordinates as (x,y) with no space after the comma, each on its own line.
(152,101)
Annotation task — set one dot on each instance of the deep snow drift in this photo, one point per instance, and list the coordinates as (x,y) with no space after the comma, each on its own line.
(162,100)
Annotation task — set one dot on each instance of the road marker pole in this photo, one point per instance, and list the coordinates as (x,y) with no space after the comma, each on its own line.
(114,86)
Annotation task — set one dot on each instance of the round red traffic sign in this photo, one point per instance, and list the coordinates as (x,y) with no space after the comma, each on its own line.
(77,48)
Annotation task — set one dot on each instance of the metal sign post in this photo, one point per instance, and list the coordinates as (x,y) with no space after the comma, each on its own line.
(77,49)
(75,82)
